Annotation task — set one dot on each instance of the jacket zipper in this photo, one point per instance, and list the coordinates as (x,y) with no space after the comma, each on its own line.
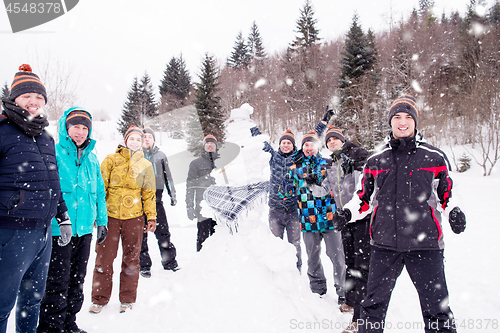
(48,177)
(410,183)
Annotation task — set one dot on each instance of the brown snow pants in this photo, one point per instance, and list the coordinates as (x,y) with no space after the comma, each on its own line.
(130,231)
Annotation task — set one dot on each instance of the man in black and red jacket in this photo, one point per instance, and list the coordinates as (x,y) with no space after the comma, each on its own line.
(406,187)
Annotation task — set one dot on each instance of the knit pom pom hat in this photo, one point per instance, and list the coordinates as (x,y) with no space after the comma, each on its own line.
(334,131)
(311,136)
(78,117)
(288,135)
(132,130)
(404,103)
(25,81)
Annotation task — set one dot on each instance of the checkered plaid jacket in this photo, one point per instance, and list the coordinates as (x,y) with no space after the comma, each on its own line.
(316,213)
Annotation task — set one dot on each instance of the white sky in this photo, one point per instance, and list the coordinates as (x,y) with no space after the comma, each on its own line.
(107,43)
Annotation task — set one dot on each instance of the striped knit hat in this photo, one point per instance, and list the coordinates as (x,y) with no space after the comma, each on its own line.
(210,138)
(288,135)
(78,117)
(25,81)
(404,103)
(334,131)
(132,130)
(311,136)
(149,130)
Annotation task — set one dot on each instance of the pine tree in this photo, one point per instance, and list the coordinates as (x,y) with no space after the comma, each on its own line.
(147,98)
(176,79)
(255,48)
(210,115)
(240,56)
(5,91)
(131,114)
(357,61)
(306,29)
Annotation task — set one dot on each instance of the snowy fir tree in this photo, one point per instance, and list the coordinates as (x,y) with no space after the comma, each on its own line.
(357,61)
(176,80)
(147,98)
(240,56)
(255,47)
(5,91)
(131,109)
(139,106)
(207,102)
(307,34)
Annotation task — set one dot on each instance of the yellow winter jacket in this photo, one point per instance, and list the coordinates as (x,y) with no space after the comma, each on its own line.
(128,178)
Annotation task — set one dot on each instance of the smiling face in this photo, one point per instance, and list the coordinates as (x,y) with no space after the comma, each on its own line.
(403,125)
(334,144)
(32,102)
(78,133)
(134,142)
(286,146)
(310,148)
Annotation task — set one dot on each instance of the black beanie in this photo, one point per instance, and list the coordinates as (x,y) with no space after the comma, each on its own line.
(78,117)
(404,103)
(25,82)
(149,130)
(288,135)
(334,131)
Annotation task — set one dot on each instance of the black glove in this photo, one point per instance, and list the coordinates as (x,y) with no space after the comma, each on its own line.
(267,147)
(173,201)
(312,179)
(255,131)
(457,220)
(191,213)
(328,115)
(102,232)
(347,164)
(340,218)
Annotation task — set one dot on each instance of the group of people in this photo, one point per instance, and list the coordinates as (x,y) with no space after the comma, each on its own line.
(376,213)
(51,198)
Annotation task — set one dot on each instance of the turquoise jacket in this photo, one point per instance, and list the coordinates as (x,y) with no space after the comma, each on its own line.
(81,183)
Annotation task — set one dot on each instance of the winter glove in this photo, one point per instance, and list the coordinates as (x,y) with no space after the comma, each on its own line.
(340,218)
(457,220)
(267,147)
(102,232)
(64,229)
(255,131)
(328,115)
(173,201)
(312,179)
(347,164)
(191,214)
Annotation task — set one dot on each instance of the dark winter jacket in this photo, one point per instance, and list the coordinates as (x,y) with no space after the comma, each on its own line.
(406,186)
(199,179)
(162,171)
(343,173)
(280,164)
(30,192)
(316,213)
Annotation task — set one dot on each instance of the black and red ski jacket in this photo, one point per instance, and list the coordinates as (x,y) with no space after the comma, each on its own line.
(406,186)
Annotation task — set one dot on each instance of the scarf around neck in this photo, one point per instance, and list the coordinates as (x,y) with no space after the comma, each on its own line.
(32,126)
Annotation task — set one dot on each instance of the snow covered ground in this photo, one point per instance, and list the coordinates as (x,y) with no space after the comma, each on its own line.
(247,282)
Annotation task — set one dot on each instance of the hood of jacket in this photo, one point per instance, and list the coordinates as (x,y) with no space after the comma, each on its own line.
(64,139)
